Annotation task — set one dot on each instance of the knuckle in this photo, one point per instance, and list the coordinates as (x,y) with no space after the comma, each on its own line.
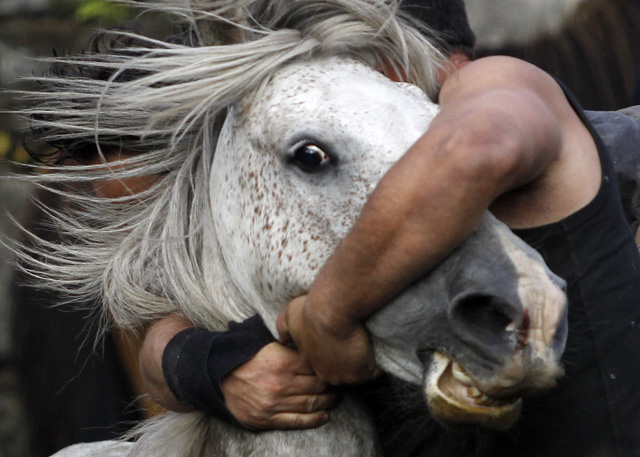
(268,405)
(270,383)
(319,385)
(275,388)
(312,404)
(279,364)
(255,420)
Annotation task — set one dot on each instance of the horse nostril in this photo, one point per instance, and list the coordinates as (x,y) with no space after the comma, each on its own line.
(484,312)
(483,321)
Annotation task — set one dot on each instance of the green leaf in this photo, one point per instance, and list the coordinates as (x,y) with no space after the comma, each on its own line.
(102,11)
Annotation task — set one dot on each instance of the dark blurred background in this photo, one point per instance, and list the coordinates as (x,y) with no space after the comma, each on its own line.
(55,389)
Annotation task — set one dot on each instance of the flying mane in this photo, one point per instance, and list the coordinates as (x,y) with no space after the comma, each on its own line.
(141,254)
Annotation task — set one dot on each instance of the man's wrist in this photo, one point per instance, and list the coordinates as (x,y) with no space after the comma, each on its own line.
(172,356)
(196,360)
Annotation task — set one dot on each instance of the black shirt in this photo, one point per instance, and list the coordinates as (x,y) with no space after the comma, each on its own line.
(595,411)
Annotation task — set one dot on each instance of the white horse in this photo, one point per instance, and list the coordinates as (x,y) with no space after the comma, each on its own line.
(264,153)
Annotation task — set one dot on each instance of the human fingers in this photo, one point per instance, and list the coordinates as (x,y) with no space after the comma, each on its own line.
(282,323)
(287,359)
(306,385)
(303,411)
(337,349)
(305,404)
(258,411)
(296,421)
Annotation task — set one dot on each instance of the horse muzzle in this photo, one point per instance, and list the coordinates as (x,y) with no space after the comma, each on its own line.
(484,329)
(508,351)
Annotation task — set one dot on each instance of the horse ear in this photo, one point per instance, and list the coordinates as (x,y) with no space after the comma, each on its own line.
(219,22)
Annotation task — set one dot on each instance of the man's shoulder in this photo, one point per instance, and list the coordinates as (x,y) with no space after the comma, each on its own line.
(620,134)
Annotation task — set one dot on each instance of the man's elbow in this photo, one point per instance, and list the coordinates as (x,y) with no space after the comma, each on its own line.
(489,159)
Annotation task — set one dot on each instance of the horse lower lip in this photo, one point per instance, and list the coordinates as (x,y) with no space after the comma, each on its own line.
(453,399)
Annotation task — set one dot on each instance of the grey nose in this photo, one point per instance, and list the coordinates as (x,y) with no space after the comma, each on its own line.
(482,321)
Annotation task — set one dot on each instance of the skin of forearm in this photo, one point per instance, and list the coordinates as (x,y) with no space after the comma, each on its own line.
(158,336)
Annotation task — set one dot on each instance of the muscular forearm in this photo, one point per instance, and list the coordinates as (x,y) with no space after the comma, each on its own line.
(486,140)
(408,226)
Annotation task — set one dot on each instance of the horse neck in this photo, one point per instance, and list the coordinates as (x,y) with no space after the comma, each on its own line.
(231,301)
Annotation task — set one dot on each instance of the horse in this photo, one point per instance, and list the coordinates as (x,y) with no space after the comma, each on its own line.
(263,143)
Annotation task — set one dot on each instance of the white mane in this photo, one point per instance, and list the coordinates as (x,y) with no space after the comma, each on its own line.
(141,255)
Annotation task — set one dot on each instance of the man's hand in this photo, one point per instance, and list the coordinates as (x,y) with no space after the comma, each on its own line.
(340,352)
(277,389)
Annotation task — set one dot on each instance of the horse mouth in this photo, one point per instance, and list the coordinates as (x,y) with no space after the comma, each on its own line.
(454,398)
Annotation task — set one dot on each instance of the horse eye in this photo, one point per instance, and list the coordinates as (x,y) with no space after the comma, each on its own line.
(310,157)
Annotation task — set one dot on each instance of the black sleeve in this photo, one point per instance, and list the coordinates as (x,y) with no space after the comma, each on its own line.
(196,360)
(448,17)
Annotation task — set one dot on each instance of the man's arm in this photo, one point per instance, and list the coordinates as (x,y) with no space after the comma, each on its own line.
(502,124)
(274,389)
(155,341)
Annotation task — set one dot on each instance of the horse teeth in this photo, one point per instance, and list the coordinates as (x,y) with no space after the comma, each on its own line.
(473,392)
(460,374)
(487,401)
(479,397)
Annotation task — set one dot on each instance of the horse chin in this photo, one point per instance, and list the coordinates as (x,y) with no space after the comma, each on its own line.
(454,399)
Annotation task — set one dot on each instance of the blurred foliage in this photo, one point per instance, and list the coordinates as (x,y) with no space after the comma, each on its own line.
(102,11)
(5,143)
(11,148)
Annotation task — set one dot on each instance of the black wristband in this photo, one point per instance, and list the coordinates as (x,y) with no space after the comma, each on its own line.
(196,360)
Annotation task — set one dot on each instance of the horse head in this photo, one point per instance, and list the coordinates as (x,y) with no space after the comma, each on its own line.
(291,173)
